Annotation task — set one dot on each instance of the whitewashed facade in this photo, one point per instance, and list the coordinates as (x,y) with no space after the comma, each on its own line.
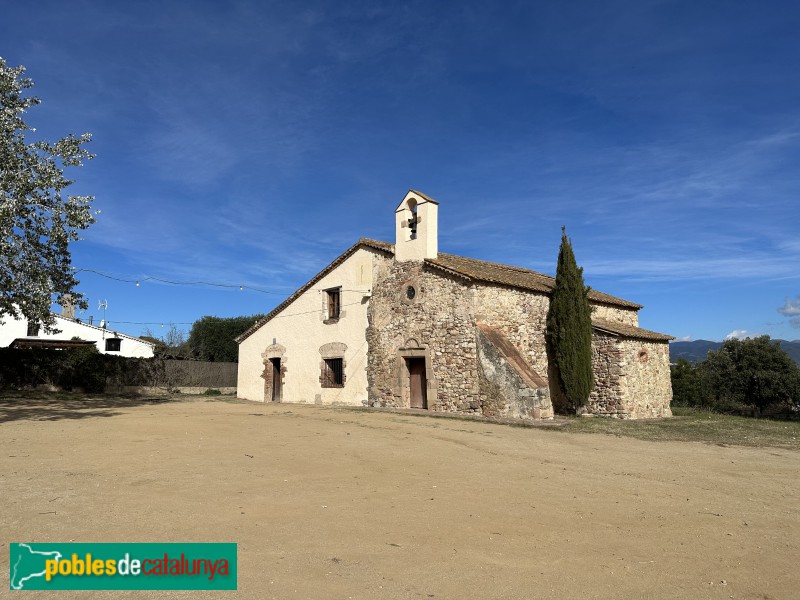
(106,340)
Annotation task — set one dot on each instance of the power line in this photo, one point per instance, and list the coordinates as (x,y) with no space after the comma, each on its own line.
(139,280)
(162,323)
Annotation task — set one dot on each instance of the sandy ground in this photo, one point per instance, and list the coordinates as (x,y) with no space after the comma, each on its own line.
(330,503)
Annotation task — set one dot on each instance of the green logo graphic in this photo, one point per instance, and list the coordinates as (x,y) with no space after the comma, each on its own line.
(85,566)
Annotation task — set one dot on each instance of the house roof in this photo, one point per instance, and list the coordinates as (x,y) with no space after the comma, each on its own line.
(629,331)
(111,331)
(362,243)
(467,268)
(29,342)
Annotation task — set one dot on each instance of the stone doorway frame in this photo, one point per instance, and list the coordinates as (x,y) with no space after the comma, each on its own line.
(273,351)
(413,349)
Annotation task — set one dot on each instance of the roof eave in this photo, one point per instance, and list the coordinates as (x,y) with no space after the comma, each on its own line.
(362,243)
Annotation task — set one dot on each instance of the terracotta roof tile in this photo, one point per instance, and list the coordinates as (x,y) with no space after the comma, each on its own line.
(481,270)
(629,331)
(469,268)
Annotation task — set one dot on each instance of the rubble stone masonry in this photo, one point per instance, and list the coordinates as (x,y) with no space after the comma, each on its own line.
(438,322)
(438,319)
(632,378)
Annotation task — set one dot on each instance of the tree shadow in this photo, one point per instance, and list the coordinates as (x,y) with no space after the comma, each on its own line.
(56,406)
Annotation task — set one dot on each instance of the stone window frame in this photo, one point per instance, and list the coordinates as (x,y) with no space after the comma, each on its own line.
(332,351)
(643,356)
(418,291)
(327,296)
(414,349)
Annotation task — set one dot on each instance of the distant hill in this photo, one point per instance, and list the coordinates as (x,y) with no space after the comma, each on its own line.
(696,351)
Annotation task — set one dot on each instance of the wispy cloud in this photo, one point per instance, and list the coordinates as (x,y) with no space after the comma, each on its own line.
(705,268)
(791,307)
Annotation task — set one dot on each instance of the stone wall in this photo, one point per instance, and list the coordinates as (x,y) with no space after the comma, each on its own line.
(610,385)
(632,378)
(629,316)
(648,378)
(521,316)
(438,321)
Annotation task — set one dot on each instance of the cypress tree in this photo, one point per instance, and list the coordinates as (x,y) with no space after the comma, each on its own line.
(569,327)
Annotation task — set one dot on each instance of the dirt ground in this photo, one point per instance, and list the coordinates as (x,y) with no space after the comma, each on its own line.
(332,503)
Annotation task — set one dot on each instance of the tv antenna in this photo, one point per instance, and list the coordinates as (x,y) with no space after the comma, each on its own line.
(103,305)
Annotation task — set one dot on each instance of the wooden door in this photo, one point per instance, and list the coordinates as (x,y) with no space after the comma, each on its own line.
(276,379)
(418,383)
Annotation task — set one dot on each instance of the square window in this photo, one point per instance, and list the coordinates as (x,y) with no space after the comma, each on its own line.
(334,303)
(333,372)
(33,329)
(113,344)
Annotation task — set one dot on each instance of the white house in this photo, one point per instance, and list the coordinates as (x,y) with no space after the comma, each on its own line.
(27,333)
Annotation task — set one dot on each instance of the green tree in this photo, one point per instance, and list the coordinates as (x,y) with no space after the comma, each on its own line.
(37,222)
(752,372)
(569,328)
(212,338)
(688,384)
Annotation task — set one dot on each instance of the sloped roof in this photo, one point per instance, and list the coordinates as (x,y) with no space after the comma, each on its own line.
(518,277)
(421,195)
(31,342)
(513,357)
(363,242)
(629,331)
(106,329)
(468,268)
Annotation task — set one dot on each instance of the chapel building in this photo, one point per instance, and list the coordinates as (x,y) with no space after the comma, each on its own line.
(404,325)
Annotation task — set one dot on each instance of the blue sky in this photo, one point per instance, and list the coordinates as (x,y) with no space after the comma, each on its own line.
(250,143)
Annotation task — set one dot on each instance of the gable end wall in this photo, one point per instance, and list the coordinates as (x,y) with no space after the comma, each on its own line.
(438,320)
(301,331)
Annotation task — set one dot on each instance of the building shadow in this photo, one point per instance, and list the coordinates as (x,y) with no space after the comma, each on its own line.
(57,406)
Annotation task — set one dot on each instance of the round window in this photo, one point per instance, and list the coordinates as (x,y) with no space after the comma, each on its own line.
(411,292)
